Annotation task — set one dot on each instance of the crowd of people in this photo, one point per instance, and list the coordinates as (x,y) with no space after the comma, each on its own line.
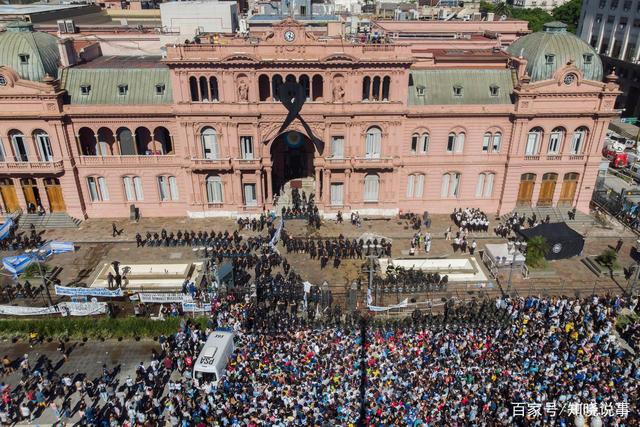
(337,248)
(470,219)
(472,365)
(302,208)
(19,240)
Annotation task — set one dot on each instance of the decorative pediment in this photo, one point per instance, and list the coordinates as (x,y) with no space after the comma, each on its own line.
(240,57)
(339,57)
(11,84)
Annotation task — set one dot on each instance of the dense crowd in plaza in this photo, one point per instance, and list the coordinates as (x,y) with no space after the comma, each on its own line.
(473,365)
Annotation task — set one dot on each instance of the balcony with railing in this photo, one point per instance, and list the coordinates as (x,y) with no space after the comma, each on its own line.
(53,166)
(377,163)
(211,164)
(337,162)
(554,157)
(576,157)
(531,157)
(247,164)
(126,160)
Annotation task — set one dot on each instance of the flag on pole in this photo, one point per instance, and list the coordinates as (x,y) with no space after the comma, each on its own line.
(276,235)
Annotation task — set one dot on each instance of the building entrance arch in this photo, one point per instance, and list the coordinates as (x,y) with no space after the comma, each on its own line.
(292,158)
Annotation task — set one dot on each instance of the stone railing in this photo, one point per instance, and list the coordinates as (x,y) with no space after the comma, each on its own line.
(53,166)
(527,157)
(125,160)
(554,157)
(576,157)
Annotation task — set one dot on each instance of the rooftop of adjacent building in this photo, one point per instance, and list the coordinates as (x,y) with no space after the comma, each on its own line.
(122,62)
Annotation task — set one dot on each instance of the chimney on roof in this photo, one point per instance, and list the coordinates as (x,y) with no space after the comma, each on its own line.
(67,52)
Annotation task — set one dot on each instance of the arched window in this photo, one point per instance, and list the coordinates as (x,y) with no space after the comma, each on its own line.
(450,185)
(375,89)
(127,143)
(579,137)
(210,143)
(215,190)
(556,138)
(451,142)
(133,188)
(213,88)
(317,87)
(484,186)
(263,87)
(459,148)
(167,188)
(44,146)
(193,87)
(373,143)
(276,82)
(366,88)
(497,141)
(371,188)
(486,142)
(414,143)
(424,143)
(415,186)
(20,147)
(162,138)
(386,85)
(533,141)
(290,78)
(204,89)
(97,186)
(306,84)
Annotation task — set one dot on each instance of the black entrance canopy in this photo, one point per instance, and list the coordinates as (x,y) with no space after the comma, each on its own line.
(564,241)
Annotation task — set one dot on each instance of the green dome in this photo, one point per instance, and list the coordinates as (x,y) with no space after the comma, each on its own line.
(30,54)
(553,48)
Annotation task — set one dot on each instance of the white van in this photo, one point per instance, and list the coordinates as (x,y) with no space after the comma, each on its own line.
(212,360)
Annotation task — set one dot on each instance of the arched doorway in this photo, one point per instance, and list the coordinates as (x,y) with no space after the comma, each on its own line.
(9,196)
(54,194)
(568,190)
(292,157)
(525,192)
(31,194)
(547,188)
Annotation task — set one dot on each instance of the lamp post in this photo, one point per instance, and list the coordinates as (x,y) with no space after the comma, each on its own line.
(44,280)
(513,261)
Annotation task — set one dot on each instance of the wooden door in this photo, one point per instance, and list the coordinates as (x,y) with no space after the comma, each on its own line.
(9,196)
(525,192)
(568,190)
(548,187)
(54,194)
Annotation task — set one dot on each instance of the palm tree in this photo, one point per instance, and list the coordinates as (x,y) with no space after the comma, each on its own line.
(537,249)
(502,8)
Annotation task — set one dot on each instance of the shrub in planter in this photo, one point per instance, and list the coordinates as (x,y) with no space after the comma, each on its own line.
(609,259)
(537,249)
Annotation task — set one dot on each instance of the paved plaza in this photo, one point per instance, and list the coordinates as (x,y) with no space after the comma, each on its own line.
(85,362)
(96,246)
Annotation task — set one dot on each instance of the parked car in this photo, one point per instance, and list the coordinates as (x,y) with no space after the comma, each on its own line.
(632,155)
(634,171)
(615,153)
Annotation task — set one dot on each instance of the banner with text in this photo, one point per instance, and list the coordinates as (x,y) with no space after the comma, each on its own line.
(163,298)
(192,307)
(88,292)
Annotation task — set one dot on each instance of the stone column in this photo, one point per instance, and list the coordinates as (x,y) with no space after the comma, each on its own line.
(318,171)
(269,192)
(236,184)
(347,186)
(327,183)
(259,197)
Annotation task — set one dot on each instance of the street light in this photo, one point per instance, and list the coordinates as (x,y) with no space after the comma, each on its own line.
(516,247)
(44,280)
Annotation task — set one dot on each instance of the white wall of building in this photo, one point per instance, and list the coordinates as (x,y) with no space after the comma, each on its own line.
(204,16)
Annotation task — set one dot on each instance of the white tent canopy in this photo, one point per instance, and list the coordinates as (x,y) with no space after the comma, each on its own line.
(500,256)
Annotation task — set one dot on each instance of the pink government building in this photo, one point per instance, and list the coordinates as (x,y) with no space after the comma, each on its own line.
(430,116)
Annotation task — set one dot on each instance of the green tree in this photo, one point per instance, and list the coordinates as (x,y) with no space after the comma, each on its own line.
(608,258)
(535,17)
(503,9)
(537,249)
(569,13)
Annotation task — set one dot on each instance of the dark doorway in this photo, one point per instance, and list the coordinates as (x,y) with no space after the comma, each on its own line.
(292,157)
